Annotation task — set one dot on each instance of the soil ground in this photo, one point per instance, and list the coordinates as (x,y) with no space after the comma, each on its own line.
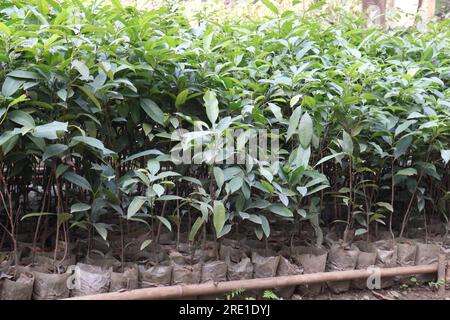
(423,292)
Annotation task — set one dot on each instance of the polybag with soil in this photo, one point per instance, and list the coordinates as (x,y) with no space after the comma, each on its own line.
(426,254)
(341,258)
(186,274)
(50,286)
(264,267)
(387,252)
(231,251)
(215,271)
(156,276)
(406,256)
(287,268)
(17,288)
(312,260)
(241,270)
(106,261)
(90,280)
(126,280)
(366,258)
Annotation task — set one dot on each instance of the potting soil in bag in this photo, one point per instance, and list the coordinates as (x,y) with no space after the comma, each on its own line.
(126,280)
(312,260)
(177,257)
(50,286)
(264,267)
(287,268)
(366,258)
(341,258)
(215,271)
(186,274)
(386,258)
(427,254)
(232,253)
(5,261)
(240,271)
(49,263)
(90,280)
(160,275)
(105,262)
(19,289)
(406,256)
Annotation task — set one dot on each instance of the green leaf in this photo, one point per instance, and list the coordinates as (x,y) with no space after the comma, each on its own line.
(280,210)
(153,166)
(428,54)
(17,101)
(90,96)
(402,146)
(405,125)
(329,157)
(10,86)
(63,217)
(195,227)
(267,185)
(135,205)
(269,4)
(165,222)
(145,244)
(219,216)
(101,229)
(225,230)
(445,155)
(37,214)
(53,150)
(407,172)
(77,180)
(347,143)
(235,184)
(142,154)
(21,118)
(79,207)
(152,110)
(159,190)
(360,231)
(386,206)
(5,29)
(61,169)
(23,74)
(265,225)
(92,142)
(219,177)
(82,69)
(48,43)
(293,122)
(181,98)
(8,135)
(212,106)
(305,130)
(50,130)
(309,101)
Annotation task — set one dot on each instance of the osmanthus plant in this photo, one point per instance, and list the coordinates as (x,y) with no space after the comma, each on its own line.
(89,92)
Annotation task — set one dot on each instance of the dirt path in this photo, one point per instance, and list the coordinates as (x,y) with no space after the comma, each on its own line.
(423,292)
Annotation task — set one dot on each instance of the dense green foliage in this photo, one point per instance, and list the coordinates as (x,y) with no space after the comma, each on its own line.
(91,94)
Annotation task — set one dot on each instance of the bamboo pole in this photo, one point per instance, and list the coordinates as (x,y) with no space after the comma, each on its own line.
(181,291)
(442,267)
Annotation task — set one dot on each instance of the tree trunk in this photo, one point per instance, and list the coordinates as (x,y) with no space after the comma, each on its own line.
(429,6)
(369,6)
